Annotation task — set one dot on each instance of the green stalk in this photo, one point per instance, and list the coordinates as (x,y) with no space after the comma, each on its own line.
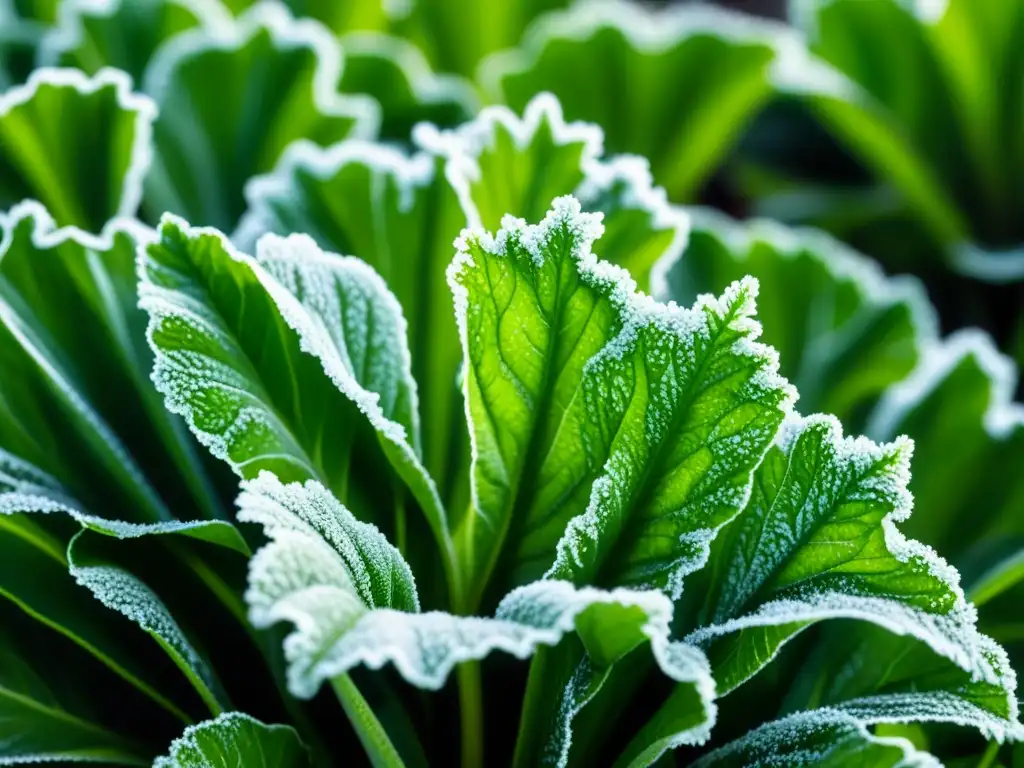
(532,707)
(371,733)
(471,710)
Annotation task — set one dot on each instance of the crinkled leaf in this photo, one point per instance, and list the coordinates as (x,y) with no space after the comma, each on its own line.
(969,435)
(75,397)
(90,175)
(124,34)
(326,541)
(400,216)
(843,331)
(673,85)
(352,602)
(502,164)
(826,737)
(394,72)
(630,426)
(235,739)
(868,669)
(232,98)
(818,540)
(261,368)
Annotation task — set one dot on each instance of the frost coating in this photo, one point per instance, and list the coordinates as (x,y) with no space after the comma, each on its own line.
(286,33)
(300,517)
(819,540)
(234,738)
(814,738)
(464,148)
(143,107)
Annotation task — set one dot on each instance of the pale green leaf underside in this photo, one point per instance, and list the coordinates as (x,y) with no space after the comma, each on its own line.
(818,540)
(634,424)
(235,739)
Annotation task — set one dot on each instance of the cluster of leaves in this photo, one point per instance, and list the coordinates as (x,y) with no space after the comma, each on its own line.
(529,414)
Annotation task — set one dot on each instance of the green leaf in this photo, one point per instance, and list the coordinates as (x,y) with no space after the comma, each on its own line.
(456,35)
(90,35)
(400,216)
(826,737)
(38,521)
(958,407)
(672,408)
(75,398)
(818,541)
(18,41)
(86,178)
(323,541)
(674,85)
(235,739)
(897,679)
(231,98)
(844,332)
(394,72)
(259,367)
(501,164)
(936,129)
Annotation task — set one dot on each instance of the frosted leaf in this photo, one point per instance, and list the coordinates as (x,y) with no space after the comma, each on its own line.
(818,540)
(235,739)
(605,395)
(826,737)
(43,519)
(500,163)
(111,125)
(398,214)
(339,550)
(260,366)
(844,331)
(120,33)
(208,148)
(717,68)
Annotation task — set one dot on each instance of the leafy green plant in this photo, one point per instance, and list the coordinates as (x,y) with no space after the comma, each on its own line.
(371,430)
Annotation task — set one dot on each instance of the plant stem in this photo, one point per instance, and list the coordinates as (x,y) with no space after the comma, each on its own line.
(989,757)
(371,733)
(471,710)
(532,706)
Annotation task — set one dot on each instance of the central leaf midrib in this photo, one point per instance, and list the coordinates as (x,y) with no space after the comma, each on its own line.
(763,593)
(657,460)
(512,515)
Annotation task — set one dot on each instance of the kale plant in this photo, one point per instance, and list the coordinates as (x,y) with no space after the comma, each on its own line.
(345,421)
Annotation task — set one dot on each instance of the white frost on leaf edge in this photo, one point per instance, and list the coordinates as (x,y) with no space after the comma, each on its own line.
(639,310)
(427,86)
(69,31)
(160,303)
(285,33)
(1002,418)
(461,147)
(45,235)
(654,30)
(953,635)
(786,729)
(145,110)
(229,720)
(838,259)
(409,173)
